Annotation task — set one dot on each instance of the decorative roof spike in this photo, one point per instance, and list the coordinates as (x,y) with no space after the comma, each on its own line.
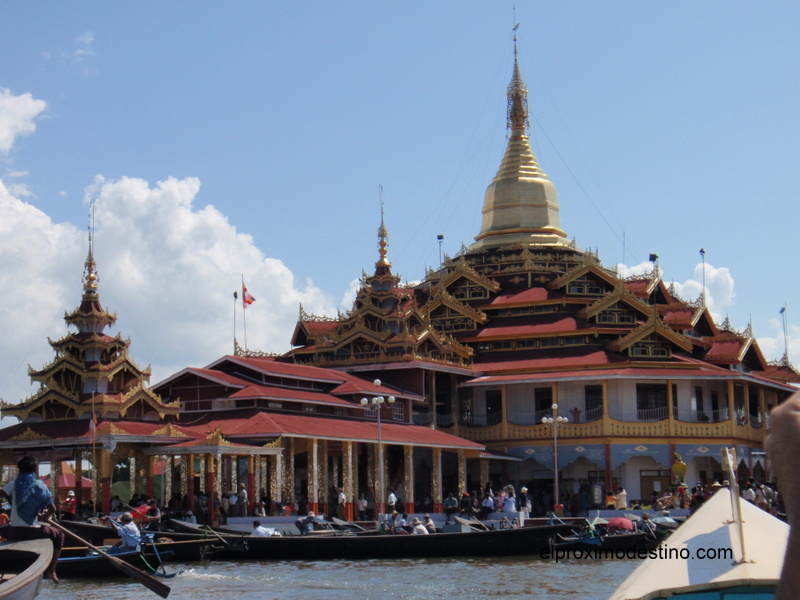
(517,100)
(90,277)
(383,239)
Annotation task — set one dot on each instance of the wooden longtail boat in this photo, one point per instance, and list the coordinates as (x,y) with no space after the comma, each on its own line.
(182,546)
(343,545)
(21,567)
(83,562)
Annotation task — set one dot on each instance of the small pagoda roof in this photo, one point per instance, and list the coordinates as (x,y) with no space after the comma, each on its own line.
(682,317)
(783,372)
(727,348)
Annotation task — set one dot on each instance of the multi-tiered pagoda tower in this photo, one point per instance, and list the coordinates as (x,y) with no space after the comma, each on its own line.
(92,374)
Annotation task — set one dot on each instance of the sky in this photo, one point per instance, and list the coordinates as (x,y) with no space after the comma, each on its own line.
(259,139)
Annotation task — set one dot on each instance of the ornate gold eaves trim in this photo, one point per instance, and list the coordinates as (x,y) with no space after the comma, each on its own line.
(29,435)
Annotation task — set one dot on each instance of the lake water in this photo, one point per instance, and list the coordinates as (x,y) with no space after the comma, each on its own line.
(408,579)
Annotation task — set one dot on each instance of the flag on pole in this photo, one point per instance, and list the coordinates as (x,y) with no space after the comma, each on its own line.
(783,310)
(247,297)
(92,428)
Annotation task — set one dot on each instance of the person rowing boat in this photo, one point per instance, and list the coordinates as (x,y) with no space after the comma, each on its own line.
(129,534)
(31,501)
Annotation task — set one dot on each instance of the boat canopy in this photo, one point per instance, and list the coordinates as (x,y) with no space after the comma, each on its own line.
(705,555)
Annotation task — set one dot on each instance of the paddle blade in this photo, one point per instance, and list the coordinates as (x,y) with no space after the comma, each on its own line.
(149,581)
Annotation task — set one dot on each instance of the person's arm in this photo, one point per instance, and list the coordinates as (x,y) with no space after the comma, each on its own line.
(48,512)
(783,447)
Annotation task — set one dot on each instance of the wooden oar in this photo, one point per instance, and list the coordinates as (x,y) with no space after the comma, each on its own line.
(208,529)
(474,525)
(146,580)
(342,523)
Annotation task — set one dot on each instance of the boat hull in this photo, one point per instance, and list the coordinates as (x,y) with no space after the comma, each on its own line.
(181,546)
(82,562)
(341,545)
(27,561)
(503,542)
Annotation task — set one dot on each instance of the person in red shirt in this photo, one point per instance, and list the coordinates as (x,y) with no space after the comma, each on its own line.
(68,507)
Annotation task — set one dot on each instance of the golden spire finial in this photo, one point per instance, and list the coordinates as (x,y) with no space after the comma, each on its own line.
(383,238)
(90,277)
(517,98)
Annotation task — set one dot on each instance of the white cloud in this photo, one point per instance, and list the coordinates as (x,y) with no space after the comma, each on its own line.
(774,343)
(719,289)
(174,276)
(40,279)
(82,48)
(167,268)
(17,117)
(349,296)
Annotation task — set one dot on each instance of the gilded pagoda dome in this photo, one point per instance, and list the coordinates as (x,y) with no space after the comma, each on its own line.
(521,204)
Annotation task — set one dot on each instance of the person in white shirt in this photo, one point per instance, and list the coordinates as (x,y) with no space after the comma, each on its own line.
(621,499)
(129,534)
(417,528)
(260,531)
(749,493)
(363,503)
(342,501)
(242,500)
(392,501)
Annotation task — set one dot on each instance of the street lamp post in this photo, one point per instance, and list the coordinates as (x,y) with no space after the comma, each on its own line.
(555,421)
(377,402)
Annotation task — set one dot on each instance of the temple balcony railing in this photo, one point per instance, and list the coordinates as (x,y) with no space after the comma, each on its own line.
(635,415)
(608,428)
(422,418)
(445,421)
(575,415)
(687,415)
(484,420)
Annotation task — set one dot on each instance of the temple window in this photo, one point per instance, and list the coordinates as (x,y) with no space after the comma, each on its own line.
(494,406)
(651,401)
(592,398)
(649,349)
(477,293)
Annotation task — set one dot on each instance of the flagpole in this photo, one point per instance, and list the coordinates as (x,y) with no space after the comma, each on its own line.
(244,313)
(785,334)
(94,471)
(235,298)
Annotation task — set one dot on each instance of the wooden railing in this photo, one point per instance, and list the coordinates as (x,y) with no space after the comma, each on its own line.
(609,427)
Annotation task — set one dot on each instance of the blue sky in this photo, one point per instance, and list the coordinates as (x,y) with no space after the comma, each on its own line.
(252,138)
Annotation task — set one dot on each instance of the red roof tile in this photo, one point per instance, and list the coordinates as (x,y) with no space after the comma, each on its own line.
(534,294)
(565,359)
(559,325)
(266,425)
